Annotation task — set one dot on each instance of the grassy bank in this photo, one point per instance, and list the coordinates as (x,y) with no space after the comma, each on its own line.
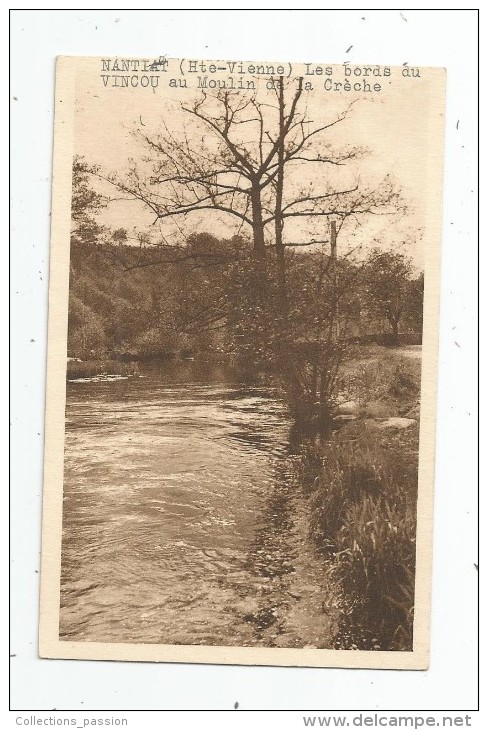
(382,381)
(362,492)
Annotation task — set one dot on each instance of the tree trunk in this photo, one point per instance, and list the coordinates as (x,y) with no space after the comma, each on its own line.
(280,249)
(257,223)
(395,335)
(259,250)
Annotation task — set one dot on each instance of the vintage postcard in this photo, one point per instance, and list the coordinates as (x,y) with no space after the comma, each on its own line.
(242,358)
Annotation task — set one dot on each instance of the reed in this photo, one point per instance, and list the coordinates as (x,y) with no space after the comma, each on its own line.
(363,521)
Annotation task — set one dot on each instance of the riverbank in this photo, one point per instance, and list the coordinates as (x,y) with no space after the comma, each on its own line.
(77,369)
(361,486)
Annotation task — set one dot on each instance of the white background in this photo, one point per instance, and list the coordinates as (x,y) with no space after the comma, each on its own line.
(392,37)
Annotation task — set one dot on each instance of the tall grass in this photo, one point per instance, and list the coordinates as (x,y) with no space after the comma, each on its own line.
(363,519)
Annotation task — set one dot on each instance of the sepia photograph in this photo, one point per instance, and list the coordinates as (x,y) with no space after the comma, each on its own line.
(242,362)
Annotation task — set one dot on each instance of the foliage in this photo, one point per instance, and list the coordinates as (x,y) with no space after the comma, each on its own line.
(86,331)
(85,204)
(392,294)
(145,312)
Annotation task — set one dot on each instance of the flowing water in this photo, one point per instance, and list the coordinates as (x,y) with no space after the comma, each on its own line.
(182,522)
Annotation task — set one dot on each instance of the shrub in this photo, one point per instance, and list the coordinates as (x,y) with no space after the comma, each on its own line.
(403,385)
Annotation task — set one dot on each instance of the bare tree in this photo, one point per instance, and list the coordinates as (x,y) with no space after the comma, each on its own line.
(258,159)
(262,160)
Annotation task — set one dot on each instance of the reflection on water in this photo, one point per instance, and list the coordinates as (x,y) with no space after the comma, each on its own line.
(181,522)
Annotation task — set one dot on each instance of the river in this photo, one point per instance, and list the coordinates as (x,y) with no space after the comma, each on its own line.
(182,521)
